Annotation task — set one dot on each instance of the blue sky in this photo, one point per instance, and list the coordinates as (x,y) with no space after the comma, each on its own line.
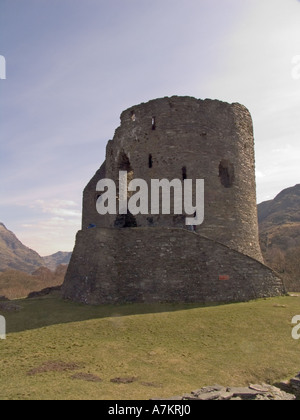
(73,66)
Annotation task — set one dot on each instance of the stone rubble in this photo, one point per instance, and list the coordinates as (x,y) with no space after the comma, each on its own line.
(288,391)
(253,392)
(292,386)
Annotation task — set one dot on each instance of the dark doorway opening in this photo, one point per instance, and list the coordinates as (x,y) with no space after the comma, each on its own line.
(125,221)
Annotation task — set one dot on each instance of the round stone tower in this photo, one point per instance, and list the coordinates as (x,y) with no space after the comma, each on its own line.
(186,138)
(154,257)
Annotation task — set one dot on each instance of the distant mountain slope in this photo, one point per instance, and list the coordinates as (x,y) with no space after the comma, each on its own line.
(53,261)
(279,224)
(279,220)
(16,256)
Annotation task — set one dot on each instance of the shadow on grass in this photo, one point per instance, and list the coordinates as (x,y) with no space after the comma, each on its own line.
(53,310)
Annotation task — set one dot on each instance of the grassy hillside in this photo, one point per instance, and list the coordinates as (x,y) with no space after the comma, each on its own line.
(17,284)
(62,350)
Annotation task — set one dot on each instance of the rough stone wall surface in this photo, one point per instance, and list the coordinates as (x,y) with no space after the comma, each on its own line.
(128,265)
(200,138)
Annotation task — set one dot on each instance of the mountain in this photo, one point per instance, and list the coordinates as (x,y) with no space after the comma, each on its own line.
(279,224)
(16,256)
(23,270)
(279,220)
(53,261)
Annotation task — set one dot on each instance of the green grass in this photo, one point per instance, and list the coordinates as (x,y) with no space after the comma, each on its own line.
(170,349)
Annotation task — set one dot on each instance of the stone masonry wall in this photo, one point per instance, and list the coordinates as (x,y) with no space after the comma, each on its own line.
(180,137)
(111,266)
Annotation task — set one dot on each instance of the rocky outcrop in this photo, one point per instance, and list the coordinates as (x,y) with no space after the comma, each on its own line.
(292,386)
(284,391)
(253,392)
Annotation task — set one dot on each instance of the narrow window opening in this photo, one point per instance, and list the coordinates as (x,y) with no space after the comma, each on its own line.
(153,123)
(184,174)
(226,173)
(124,165)
(150,161)
(125,220)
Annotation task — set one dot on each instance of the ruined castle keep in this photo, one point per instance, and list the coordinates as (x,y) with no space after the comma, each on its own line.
(155,257)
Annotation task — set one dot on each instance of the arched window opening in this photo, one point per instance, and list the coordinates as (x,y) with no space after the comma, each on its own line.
(226,173)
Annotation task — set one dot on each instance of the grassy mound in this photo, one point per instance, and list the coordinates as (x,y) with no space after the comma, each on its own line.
(62,350)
